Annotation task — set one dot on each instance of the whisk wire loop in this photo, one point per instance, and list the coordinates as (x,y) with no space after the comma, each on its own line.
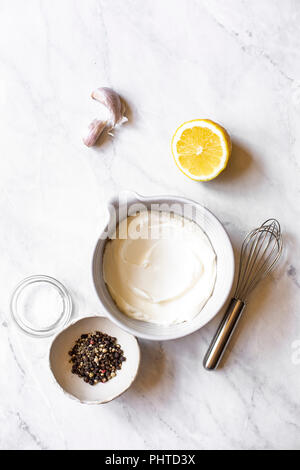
(260,251)
(265,266)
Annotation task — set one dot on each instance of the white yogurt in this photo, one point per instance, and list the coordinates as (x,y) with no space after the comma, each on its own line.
(160,268)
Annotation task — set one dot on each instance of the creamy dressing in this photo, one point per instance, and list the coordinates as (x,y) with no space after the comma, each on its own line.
(159,267)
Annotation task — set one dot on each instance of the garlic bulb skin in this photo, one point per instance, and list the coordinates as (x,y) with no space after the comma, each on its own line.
(111,100)
(93,132)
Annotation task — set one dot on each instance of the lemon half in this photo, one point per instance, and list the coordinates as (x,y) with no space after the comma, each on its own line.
(201,149)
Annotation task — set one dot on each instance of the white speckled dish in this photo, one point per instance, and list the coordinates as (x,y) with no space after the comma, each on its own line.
(75,387)
(225,266)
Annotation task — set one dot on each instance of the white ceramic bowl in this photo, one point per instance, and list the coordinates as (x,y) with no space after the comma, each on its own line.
(225,266)
(73,385)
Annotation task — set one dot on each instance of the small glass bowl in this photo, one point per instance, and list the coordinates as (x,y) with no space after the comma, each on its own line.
(37,296)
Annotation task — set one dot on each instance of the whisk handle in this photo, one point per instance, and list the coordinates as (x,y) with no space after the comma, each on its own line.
(224,332)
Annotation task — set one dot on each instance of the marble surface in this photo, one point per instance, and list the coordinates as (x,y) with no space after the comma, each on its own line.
(235,62)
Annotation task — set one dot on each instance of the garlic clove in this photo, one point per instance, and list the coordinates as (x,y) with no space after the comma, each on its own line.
(111,100)
(93,132)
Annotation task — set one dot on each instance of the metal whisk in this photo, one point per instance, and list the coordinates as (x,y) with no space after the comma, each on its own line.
(260,252)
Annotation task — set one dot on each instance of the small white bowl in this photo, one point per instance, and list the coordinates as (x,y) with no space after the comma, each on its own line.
(74,386)
(219,239)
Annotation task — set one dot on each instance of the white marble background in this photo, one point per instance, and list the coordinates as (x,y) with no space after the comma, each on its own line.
(233,61)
